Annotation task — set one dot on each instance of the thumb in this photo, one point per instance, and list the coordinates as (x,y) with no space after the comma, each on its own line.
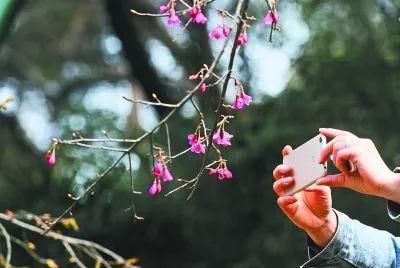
(337,180)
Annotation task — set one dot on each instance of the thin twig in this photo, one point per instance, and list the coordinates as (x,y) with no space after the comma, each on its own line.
(105,148)
(8,245)
(168,143)
(180,12)
(150,103)
(73,255)
(80,140)
(133,190)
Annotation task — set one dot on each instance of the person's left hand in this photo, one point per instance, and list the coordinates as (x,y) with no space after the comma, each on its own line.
(371,176)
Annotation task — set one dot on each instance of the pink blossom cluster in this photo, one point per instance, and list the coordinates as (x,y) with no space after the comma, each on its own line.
(160,174)
(195,14)
(241,98)
(221,170)
(221,31)
(199,139)
(220,137)
(197,144)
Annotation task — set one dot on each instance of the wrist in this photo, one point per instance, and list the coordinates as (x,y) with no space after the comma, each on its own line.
(390,190)
(325,232)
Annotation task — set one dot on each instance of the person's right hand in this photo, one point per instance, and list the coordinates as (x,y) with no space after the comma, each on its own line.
(310,209)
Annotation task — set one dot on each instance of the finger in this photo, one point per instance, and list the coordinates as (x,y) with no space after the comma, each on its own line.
(344,156)
(282,171)
(281,185)
(337,147)
(288,204)
(327,150)
(337,180)
(332,132)
(287,150)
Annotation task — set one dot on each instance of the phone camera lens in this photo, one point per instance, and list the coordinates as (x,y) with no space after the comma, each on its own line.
(320,139)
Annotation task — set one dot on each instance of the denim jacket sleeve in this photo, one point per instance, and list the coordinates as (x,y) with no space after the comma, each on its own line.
(355,245)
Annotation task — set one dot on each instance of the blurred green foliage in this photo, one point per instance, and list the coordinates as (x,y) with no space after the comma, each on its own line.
(346,76)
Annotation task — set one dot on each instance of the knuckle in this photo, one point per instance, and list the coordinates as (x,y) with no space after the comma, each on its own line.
(368,142)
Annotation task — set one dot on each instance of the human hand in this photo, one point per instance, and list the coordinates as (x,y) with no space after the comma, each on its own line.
(310,209)
(371,176)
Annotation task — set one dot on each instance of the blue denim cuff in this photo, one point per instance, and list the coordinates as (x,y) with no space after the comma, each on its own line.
(334,254)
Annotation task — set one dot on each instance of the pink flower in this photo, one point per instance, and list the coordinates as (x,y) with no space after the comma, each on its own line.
(241,100)
(192,139)
(198,148)
(173,19)
(158,170)
(228,174)
(163,9)
(167,175)
(213,171)
(221,31)
(158,186)
(242,39)
(51,158)
(153,188)
(246,98)
(239,103)
(193,77)
(221,173)
(222,137)
(203,88)
(200,18)
(271,17)
(193,12)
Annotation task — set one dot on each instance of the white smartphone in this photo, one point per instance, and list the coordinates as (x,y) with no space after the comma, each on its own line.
(304,162)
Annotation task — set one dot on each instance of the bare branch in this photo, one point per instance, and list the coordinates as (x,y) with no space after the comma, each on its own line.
(8,244)
(63,238)
(149,103)
(73,255)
